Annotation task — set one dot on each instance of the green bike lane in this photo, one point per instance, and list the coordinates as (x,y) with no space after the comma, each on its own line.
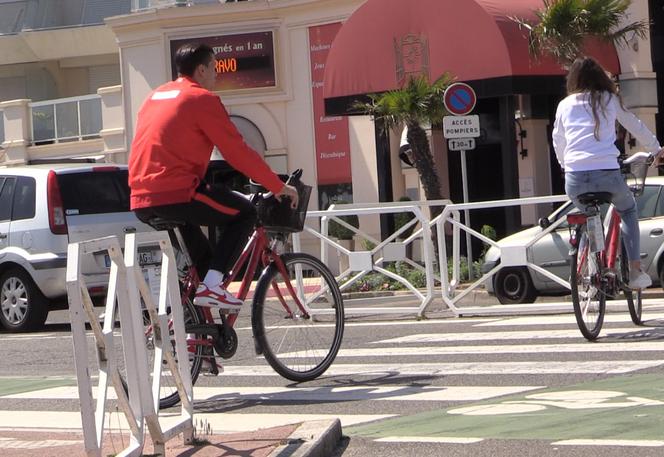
(11,385)
(624,408)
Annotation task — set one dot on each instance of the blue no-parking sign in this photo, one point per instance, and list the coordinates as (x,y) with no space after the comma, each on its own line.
(459,99)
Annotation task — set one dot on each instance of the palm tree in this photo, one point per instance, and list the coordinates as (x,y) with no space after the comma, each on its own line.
(564,25)
(417,103)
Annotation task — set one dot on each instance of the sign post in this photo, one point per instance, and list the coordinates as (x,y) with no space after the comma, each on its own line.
(461,130)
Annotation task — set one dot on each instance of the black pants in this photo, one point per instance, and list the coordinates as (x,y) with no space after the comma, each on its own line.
(212,205)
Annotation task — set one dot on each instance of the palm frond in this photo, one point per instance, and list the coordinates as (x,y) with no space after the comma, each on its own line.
(563,25)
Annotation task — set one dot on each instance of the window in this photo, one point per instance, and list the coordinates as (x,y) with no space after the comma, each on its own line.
(647,202)
(6,191)
(24,199)
(94,192)
(659,212)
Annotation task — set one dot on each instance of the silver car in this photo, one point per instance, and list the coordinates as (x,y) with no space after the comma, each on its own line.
(43,208)
(520,284)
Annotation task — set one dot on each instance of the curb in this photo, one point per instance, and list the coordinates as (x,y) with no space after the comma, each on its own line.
(317,438)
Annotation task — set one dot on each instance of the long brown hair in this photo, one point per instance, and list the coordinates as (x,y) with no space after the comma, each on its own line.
(587,75)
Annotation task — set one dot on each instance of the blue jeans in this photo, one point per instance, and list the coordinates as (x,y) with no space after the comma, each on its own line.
(579,182)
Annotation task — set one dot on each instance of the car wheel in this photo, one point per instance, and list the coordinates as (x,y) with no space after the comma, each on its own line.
(513,286)
(22,305)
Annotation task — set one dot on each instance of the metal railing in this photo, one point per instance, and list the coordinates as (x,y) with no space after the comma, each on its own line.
(138,5)
(66,119)
(510,255)
(129,298)
(374,257)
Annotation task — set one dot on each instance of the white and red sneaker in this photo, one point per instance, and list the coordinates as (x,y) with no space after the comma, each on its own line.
(218,298)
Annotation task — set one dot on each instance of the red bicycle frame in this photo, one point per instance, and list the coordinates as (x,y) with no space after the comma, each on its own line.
(256,250)
(609,254)
(612,243)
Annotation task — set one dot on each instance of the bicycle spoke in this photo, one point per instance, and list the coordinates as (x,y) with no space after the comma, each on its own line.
(588,289)
(298,324)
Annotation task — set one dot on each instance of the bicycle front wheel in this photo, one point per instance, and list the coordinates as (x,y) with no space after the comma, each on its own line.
(588,289)
(298,329)
(633,297)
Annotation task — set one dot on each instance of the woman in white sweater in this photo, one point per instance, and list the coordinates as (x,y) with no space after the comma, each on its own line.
(583,138)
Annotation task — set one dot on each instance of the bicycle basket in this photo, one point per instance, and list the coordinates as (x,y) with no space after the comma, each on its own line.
(278,216)
(635,177)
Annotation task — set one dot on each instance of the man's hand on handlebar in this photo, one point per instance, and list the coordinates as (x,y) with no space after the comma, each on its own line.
(290,192)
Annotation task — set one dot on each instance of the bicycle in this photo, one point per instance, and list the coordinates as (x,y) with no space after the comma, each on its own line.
(599,266)
(297,315)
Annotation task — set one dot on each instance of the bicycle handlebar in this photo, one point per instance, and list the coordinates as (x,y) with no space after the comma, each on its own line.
(639,157)
(292,180)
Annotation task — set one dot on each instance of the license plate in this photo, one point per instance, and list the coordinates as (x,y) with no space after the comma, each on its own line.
(144,258)
(150,257)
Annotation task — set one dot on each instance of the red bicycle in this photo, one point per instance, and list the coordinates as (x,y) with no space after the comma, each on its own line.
(599,267)
(297,311)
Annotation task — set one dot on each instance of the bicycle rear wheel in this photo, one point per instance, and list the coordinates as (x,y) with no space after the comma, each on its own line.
(588,289)
(168,392)
(300,344)
(633,297)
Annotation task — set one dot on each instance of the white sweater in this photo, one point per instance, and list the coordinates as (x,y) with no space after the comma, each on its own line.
(574,140)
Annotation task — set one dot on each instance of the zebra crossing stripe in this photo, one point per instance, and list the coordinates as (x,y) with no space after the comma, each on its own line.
(405,351)
(219,423)
(563,319)
(11,443)
(346,393)
(465,368)
(541,334)
(636,443)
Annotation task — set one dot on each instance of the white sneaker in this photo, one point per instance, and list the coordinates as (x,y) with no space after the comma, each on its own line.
(639,280)
(218,298)
(210,367)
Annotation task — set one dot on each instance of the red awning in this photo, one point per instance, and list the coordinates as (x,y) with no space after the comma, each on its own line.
(384,40)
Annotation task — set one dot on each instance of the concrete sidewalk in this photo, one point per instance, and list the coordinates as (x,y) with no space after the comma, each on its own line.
(308,439)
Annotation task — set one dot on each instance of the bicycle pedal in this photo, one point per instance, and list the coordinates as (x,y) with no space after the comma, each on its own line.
(211,368)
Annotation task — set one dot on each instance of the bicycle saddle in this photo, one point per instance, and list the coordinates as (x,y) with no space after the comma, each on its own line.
(592,198)
(159,223)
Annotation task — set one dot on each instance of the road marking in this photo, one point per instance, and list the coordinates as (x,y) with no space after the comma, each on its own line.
(429,439)
(551,415)
(11,443)
(463,368)
(220,423)
(564,319)
(400,323)
(542,334)
(636,443)
(636,346)
(354,393)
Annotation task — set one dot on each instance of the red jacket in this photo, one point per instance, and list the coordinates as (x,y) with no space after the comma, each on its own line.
(177,127)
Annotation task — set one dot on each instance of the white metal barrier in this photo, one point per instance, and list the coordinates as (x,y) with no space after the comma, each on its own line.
(125,290)
(362,262)
(514,255)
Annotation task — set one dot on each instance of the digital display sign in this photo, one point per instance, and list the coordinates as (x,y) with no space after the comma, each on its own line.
(244,61)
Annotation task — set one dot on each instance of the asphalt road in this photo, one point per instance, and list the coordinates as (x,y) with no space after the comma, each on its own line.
(499,386)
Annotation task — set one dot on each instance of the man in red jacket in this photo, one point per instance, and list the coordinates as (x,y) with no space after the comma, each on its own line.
(177,127)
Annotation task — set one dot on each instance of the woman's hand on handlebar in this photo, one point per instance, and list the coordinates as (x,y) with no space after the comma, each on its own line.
(290,192)
(659,158)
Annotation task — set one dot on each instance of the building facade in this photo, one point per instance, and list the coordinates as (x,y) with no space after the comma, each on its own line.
(72,81)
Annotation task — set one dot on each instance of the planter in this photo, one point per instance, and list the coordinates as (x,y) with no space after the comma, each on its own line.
(343,258)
